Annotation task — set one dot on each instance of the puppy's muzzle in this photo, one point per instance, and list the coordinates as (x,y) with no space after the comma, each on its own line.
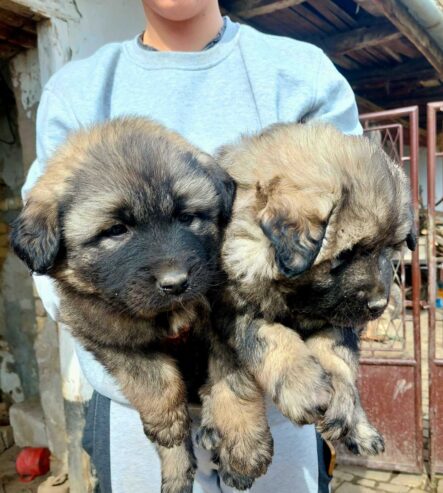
(173,281)
(376,306)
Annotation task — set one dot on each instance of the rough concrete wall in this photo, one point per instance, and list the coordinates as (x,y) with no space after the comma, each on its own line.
(25,77)
(104,21)
(17,316)
(20,328)
(50,385)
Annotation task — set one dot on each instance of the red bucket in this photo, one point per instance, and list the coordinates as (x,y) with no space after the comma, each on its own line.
(32,462)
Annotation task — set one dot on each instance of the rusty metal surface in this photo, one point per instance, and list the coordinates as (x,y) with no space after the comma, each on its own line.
(435,342)
(436,419)
(388,394)
(390,371)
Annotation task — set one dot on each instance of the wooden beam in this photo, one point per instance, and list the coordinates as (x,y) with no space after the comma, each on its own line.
(411,70)
(253,8)
(370,7)
(17,21)
(366,106)
(343,62)
(393,54)
(357,39)
(15,36)
(407,96)
(408,25)
(8,51)
(43,9)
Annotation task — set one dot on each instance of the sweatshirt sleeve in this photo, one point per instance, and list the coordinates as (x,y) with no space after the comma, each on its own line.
(334,100)
(55,120)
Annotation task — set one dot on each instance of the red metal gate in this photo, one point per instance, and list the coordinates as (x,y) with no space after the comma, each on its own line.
(435,315)
(390,371)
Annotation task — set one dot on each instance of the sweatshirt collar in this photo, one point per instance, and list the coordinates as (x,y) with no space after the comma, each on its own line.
(211,43)
(185,60)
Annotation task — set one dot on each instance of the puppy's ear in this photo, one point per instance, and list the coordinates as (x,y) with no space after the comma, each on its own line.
(411,239)
(35,235)
(296,237)
(226,189)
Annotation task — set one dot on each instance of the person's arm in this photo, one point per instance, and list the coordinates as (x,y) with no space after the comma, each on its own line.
(334,100)
(55,120)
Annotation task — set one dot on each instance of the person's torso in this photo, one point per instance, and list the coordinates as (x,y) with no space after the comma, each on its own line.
(210,97)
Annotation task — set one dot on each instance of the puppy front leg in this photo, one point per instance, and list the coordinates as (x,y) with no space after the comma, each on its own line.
(285,369)
(153,385)
(337,349)
(234,423)
(178,467)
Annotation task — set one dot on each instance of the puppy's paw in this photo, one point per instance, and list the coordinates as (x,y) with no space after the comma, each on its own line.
(236,481)
(244,458)
(303,393)
(208,438)
(338,418)
(241,457)
(170,429)
(177,486)
(364,439)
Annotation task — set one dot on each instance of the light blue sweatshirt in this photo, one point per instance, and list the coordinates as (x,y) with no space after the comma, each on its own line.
(245,82)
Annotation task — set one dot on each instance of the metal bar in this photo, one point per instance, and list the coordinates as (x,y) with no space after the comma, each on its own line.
(431,117)
(389,114)
(388,362)
(415,266)
(384,127)
(384,116)
(409,118)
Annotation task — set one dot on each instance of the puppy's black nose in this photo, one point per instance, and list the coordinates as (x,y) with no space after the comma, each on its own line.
(377,305)
(173,281)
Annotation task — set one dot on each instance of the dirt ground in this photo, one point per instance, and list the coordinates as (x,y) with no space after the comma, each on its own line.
(9,479)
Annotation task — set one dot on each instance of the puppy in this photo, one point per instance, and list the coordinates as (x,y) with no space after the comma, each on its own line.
(127,219)
(307,255)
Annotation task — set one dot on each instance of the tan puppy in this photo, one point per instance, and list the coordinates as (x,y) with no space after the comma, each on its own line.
(317,219)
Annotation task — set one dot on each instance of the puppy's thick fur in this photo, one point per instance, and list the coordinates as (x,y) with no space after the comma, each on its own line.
(127,219)
(317,220)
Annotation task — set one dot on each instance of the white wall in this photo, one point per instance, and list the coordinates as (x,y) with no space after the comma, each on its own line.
(104,21)
(423,174)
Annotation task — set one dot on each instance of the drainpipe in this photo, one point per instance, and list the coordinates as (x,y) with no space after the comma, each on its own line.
(429,14)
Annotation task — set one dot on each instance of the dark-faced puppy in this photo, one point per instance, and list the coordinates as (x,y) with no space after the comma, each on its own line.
(317,219)
(127,219)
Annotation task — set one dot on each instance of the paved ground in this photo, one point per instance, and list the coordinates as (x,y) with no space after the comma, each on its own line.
(349,479)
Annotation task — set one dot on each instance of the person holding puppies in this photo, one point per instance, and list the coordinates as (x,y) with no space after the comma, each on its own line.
(210,80)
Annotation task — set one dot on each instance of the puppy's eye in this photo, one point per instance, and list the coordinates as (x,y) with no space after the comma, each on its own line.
(116,230)
(186,219)
(344,257)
